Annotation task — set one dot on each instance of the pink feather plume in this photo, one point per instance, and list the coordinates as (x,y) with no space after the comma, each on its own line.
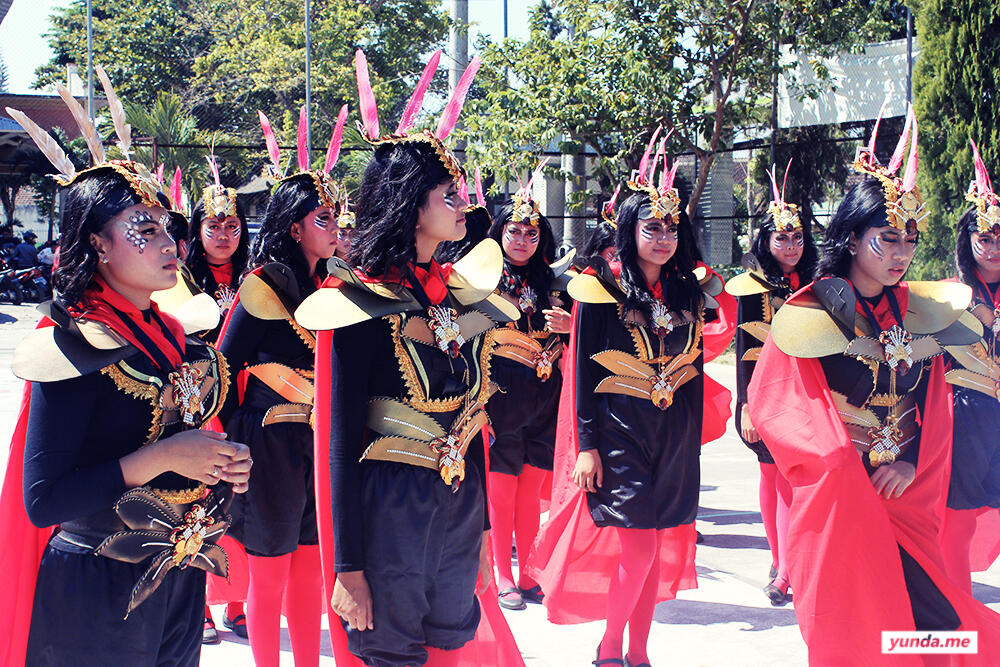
(775,193)
(159,172)
(479,188)
(175,188)
(366,98)
(660,152)
(878,121)
(910,176)
(671,176)
(333,150)
(303,149)
(214,168)
(983,182)
(463,189)
(270,140)
(536,172)
(609,206)
(417,99)
(784,181)
(896,161)
(644,162)
(454,107)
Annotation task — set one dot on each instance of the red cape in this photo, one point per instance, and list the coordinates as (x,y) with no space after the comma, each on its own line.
(573,560)
(838,522)
(493,646)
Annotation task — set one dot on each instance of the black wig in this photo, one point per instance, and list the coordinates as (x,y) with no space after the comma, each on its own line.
(291,201)
(761,249)
(680,287)
(863,206)
(602,238)
(963,247)
(90,202)
(538,272)
(393,189)
(178,226)
(197,261)
(477,227)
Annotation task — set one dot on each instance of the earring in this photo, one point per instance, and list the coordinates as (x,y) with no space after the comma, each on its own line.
(104,258)
(853,251)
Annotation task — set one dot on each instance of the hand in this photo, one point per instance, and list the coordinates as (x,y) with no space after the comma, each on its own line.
(485,568)
(891,480)
(588,473)
(352,599)
(206,456)
(746,426)
(557,320)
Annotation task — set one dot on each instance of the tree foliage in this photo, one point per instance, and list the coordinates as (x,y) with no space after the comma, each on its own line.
(599,75)
(955,83)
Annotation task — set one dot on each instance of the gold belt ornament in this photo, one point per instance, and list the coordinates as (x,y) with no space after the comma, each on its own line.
(758,330)
(183,398)
(293,385)
(415,438)
(527,351)
(980,370)
(883,440)
(632,377)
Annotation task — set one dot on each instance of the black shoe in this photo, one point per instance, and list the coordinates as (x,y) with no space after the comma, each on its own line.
(637,664)
(700,539)
(534,595)
(777,591)
(209,635)
(607,661)
(772,573)
(510,598)
(238,625)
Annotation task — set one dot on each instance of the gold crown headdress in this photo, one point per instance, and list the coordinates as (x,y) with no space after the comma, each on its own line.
(526,209)
(905,208)
(219,201)
(346,219)
(329,190)
(608,209)
(664,201)
(369,125)
(784,215)
(981,194)
(143,182)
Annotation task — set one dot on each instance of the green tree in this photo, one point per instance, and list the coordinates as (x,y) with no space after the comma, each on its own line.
(955,81)
(45,187)
(600,74)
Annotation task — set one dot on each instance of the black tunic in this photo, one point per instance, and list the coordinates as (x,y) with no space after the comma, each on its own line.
(650,456)
(750,308)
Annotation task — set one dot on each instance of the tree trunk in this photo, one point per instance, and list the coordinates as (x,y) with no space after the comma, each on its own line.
(704,167)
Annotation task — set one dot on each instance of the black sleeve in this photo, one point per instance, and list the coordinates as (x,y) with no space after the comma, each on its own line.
(56,487)
(477,454)
(351,365)
(243,337)
(912,453)
(589,336)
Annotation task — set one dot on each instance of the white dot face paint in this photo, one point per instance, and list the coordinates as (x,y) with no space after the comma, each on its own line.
(133,233)
(165,226)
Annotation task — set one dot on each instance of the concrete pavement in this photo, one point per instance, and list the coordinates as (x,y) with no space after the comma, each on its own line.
(726,621)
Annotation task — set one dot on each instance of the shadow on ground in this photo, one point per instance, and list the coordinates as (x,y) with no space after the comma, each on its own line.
(693,612)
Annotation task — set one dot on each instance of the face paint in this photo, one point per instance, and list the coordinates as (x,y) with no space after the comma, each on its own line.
(655,231)
(876,246)
(322,221)
(132,233)
(231,230)
(529,236)
(165,226)
(451,201)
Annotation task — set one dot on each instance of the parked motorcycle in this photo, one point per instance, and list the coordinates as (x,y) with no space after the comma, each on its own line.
(34,285)
(10,287)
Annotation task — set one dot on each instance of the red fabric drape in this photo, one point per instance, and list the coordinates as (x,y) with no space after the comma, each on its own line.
(844,559)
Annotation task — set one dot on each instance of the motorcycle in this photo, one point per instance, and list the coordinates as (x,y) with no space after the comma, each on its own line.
(10,288)
(34,286)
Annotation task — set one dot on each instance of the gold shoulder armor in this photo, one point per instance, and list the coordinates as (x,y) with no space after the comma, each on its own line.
(55,353)
(935,306)
(588,288)
(195,310)
(805,329)
(746,284)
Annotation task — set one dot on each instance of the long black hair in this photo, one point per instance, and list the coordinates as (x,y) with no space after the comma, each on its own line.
(291,201)
(863,206)
(761,249)
(196,259)
(680,287)
(393,189)
(90,202)
(963,247)
(538,274)
(477,227)
(602,238)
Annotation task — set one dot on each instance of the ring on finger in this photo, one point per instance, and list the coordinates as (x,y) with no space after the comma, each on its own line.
(215,471)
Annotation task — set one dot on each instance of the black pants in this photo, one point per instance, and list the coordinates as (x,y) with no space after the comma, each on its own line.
(421,561)
(523,416)
(78,615)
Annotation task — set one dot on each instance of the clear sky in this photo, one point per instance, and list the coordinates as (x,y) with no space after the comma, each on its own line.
(24,46)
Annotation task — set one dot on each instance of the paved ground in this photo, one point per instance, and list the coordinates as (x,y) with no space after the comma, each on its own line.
(726,621)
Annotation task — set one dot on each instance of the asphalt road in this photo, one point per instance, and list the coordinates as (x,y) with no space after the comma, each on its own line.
(726,621)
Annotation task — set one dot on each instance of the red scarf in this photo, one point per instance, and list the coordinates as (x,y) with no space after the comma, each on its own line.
(883,310)
(223,274)
(161,338)
(793,280)
(434,279)
(656,290)
(994,298)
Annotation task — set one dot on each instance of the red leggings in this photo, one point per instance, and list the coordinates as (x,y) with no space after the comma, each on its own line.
(298,579)
(957,531)
(514,511)
(632,595)
(775,499)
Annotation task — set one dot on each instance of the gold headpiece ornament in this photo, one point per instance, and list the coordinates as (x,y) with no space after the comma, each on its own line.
(369,125)
(329,190)
(142,181)
(905,208)
(346,219)
(664,201)
(981,194)
(219,201)
(608,210)
(785,215)
(526,210)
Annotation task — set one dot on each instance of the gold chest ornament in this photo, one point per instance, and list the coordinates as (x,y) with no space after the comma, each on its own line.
(885,442)
(896,341)
(662,323)
(447,332)
(526,299)
(186,387)
(189,537)
(224,296)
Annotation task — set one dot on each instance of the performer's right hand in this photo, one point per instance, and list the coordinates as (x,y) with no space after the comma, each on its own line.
(746,426)
(204,456)
(588,473)
(352,599)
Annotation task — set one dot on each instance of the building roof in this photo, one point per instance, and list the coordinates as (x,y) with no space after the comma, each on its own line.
(48,111)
